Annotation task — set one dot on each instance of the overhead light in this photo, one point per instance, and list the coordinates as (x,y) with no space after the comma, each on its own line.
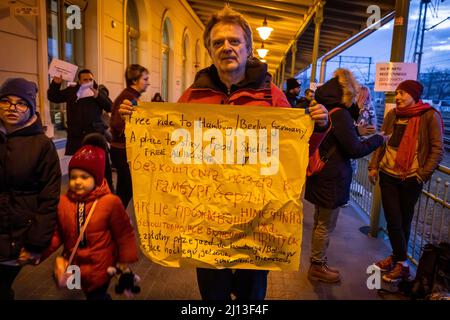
(264,31)
(262,52)
(263,60)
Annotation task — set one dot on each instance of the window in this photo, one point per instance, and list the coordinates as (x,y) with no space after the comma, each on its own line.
(65,44)
(132,32)
(165,60)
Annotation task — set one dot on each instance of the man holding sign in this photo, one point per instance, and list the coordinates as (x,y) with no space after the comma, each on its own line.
(85,105)
(234,78)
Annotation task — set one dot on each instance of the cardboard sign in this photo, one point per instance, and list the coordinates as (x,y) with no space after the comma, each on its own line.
(219,186)
(389,75)
(62,68)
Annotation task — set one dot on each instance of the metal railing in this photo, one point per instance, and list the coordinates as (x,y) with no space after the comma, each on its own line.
(431,222)
(361,190)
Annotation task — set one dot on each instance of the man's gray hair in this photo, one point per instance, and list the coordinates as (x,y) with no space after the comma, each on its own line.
(228,15)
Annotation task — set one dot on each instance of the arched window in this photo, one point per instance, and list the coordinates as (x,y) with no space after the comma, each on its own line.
(186,62)
(132,32)
(165,42)
(66,44)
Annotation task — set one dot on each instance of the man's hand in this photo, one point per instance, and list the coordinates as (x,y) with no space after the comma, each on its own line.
(373,176)
(126,109)
(319,114)
(58,80)
(366,130)
(27,257)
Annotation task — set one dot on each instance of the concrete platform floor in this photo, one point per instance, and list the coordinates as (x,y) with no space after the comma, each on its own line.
(350,250)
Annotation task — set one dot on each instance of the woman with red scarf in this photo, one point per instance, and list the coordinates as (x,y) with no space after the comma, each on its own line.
(412,153)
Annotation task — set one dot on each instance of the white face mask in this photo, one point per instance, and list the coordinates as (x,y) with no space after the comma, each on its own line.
(85,90)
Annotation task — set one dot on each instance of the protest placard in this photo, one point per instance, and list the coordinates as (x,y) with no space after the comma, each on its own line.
(62,68)
(219,186)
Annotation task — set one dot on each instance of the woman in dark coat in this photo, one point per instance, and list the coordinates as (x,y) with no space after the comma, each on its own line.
(30,182)
(329,189)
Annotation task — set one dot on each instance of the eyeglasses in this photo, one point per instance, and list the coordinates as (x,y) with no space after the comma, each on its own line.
(20,106)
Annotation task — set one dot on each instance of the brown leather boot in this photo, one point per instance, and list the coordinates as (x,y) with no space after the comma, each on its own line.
(320,272)
(331,269)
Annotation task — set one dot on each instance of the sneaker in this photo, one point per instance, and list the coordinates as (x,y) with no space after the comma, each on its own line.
(399,272)
(319,272)
(386,264)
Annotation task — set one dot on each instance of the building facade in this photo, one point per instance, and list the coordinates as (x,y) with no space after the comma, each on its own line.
(103,36)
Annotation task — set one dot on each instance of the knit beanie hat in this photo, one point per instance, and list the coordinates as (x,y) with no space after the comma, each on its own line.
(21,88)
(292,83)
(414,88)
(91,157)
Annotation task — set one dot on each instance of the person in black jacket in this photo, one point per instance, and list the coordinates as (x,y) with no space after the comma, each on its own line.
(85,104)
(29,185)
(330,188)
(292,91)
(304,102)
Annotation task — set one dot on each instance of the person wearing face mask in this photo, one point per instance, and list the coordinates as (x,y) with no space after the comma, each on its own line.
(409,159)
(137,80)
(330,188)
(84,104)
(30,181)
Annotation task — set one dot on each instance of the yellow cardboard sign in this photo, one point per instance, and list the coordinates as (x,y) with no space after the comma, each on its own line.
(219,186)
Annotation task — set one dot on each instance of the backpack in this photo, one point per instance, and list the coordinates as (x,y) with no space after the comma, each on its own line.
(433,273)
(316,161)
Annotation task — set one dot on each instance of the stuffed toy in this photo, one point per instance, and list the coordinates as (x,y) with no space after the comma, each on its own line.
(127,282)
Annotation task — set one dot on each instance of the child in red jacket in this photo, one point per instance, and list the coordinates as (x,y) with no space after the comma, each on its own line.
(109,238)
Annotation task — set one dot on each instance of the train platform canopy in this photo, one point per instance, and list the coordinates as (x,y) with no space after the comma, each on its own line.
(293,24)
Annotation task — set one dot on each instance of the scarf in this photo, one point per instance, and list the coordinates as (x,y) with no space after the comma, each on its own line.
(407,148)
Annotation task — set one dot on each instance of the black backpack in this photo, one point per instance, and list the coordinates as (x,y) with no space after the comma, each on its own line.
(433,273)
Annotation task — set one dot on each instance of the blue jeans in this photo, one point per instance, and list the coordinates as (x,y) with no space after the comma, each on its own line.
(218,284)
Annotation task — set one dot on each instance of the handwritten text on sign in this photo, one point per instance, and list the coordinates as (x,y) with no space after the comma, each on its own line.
(219,186)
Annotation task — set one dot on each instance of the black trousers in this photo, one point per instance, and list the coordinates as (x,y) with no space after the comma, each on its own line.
(124,188)
(399,198)
(218,284)
(7,276)
(100,293)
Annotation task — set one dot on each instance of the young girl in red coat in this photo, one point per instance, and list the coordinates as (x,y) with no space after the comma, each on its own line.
(109,239)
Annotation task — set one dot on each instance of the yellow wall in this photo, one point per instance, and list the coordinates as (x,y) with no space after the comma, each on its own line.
(24,47)
(24,42)
(111,50)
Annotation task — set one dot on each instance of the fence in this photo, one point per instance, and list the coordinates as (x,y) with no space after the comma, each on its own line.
(431,222)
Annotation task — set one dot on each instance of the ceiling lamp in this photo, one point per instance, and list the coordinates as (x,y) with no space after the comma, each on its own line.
(263,60)
(262,52)
(264,31)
